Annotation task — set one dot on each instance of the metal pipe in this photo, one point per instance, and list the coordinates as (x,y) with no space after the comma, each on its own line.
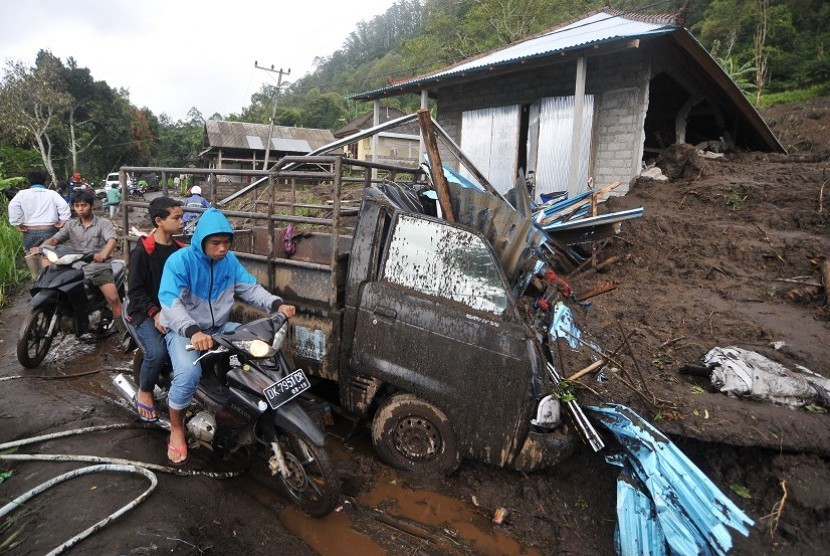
(583,425)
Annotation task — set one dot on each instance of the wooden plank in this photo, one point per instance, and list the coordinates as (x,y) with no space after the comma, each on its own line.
(438,179)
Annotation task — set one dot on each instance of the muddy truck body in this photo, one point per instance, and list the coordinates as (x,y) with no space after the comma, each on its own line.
(414,321)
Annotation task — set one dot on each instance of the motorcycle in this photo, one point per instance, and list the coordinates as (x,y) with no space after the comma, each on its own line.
(136,190)
(247,398)
(64,302)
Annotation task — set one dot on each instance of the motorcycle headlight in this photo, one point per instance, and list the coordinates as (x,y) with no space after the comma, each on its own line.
(255,348)
(51,255)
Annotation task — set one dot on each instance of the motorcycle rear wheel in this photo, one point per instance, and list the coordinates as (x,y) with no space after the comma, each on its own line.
(34,339)
(311,483)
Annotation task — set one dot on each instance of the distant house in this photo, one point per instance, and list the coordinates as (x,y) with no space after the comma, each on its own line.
(397,146)
(241,146)
(636,83)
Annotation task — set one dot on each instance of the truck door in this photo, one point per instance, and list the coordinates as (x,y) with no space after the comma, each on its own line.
(436,322)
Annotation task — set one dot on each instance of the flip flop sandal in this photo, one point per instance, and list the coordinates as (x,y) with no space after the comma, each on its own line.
(179,452)
(148,408)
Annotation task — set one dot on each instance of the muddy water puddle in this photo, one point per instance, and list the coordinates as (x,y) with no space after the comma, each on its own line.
(391,518)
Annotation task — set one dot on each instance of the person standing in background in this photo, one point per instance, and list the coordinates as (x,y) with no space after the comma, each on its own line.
(113,199)
(74,182)
(38,212)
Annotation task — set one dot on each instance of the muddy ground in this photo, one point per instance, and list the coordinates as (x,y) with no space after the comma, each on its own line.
(712,263)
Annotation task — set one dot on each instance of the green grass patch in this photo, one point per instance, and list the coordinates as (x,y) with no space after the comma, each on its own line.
(798,95)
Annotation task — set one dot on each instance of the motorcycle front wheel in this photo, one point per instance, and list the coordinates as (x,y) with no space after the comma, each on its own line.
(36,335)
(311,482)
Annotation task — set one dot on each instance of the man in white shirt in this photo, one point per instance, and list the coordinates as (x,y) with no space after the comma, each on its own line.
(38,212)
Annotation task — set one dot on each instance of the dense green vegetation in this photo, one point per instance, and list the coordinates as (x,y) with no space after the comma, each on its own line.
(11,240)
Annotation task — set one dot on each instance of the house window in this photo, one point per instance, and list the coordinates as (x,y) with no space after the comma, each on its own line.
(442,261)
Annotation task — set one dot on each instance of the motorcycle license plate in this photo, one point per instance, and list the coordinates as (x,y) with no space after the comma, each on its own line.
(286,389)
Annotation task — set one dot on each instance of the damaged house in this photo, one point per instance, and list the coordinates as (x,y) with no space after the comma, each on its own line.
(636,83)
(242,146)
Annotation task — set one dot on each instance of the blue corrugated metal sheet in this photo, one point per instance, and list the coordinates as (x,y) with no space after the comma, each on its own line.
(689,512)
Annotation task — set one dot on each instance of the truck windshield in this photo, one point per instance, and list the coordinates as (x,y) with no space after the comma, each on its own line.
(439,260)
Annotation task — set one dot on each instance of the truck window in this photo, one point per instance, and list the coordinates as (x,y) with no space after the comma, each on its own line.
(439,260)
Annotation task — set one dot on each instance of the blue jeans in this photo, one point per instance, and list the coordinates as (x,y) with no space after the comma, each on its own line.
(155,354)
(186,375)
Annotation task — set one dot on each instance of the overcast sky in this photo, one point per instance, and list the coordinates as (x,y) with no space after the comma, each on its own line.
(176,54)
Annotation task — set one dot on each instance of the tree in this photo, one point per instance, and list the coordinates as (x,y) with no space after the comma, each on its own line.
(178,139)
(31,104)
(759,42)
(95,116)
(324,110)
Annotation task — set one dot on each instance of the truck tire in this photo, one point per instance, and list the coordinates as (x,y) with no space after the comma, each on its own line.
(414,435)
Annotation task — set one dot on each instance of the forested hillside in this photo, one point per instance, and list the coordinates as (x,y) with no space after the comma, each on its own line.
(767,46)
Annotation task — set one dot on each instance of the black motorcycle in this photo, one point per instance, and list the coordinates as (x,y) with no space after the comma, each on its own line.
(135,190)
(248,398)
(63,302)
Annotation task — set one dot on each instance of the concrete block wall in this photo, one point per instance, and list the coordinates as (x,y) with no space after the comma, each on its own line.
(619,115)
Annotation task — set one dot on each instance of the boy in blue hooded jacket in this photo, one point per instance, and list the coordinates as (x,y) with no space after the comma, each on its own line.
(197,291)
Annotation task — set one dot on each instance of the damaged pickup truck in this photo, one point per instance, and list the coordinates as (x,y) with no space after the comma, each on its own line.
(417,323)
(432,345)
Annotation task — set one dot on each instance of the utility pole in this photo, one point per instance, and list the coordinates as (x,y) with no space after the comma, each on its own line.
(280,73)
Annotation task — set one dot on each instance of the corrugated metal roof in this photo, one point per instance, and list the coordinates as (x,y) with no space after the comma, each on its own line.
(290,145)
(594,29)
(248,136)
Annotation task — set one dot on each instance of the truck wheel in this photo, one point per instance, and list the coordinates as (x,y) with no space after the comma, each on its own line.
(414,435)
